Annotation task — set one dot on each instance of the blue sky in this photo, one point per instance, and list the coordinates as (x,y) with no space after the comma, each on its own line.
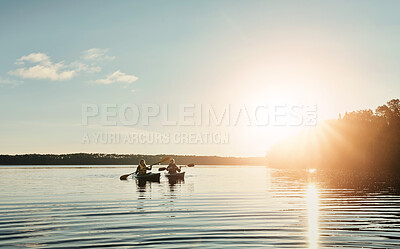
(338,55)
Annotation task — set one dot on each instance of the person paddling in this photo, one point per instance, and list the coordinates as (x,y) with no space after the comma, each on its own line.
(172,168)
(142,168)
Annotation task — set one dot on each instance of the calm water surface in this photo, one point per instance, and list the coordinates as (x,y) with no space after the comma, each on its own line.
(215,207)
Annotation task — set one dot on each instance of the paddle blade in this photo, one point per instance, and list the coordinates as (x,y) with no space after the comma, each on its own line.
(162,169)
(190,165)
(124,177)
(164,159)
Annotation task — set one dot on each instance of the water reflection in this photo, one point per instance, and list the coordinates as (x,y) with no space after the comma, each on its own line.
(141,185)
(312,215)
(173,181)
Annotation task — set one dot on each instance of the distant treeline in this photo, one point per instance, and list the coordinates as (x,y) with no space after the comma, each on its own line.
(362,139)
(116,159)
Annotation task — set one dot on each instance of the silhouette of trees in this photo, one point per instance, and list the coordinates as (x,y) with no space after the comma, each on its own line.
(116,159)
(363,139)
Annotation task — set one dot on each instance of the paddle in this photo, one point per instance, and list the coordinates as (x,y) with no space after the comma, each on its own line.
(124,177)
(164,168)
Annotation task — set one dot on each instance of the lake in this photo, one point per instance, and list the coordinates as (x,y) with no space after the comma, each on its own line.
(214,207)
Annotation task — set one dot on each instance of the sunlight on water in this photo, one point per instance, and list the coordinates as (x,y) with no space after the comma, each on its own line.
(312,213)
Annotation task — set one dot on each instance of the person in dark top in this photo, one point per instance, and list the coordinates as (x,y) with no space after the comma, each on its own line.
(142,168)
(172,168)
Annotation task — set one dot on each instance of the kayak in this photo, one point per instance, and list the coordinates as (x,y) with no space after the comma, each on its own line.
(149,177)
(176,175)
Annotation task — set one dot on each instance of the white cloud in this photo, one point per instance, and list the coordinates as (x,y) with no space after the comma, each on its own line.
(79,66)
(40,66)
(10,82)
(96,54)
(117,77)
(34,58)
(44,70)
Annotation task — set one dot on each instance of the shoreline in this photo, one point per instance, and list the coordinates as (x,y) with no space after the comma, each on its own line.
(122,159)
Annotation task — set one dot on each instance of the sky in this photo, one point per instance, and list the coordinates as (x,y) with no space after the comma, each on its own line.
(59,56)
